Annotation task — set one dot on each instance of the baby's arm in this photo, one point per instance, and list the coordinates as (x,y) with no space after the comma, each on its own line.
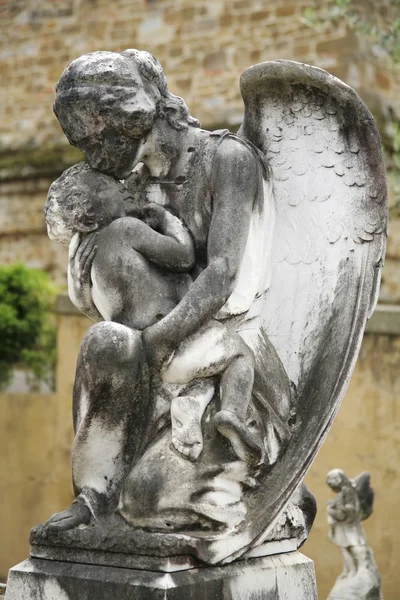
(172,248)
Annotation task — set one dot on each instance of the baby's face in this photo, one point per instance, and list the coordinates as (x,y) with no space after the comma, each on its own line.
(58,229)
(335,482)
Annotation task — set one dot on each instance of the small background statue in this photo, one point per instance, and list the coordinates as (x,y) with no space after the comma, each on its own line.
(360,578)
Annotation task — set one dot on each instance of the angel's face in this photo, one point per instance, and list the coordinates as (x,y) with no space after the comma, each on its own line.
(109,121)
(335,480)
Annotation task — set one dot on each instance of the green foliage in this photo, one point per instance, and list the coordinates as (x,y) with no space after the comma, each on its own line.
(27,332)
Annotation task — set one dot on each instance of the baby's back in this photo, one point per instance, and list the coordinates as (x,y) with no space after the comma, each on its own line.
(126,287)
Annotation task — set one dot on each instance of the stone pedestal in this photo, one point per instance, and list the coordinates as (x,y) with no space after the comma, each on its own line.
(288,576)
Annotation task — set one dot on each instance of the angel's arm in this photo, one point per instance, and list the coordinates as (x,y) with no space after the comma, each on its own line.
(234,183)
(349,503)
(336,511)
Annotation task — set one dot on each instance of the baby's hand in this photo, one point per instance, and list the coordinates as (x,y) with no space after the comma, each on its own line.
(153,215)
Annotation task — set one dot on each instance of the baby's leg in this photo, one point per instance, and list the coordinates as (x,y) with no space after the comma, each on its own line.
(186,414)
(206,353)
(235,391)
(217,350)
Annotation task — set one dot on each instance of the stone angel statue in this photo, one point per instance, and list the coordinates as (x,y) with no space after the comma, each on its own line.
(353,503)
(231,276)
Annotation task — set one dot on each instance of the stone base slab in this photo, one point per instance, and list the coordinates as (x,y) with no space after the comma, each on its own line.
(287,576)
(146,562)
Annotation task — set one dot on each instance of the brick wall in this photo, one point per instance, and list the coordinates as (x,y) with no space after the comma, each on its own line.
(23,236)
(203,46)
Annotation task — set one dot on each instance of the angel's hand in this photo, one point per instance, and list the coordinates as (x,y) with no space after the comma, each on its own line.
(156,346)
(336,513)
(80,260)
(81,256)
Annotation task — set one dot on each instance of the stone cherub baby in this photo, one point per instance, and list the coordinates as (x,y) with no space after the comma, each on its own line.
(140,271)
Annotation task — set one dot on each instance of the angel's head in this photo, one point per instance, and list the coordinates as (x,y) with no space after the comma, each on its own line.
(108,102)
(82,200)
(336,479)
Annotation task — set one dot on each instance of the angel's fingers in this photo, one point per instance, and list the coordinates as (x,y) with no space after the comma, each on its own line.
(87,259)
(77,259)
(88,249)
(85,247)
(73,246)
(87,265)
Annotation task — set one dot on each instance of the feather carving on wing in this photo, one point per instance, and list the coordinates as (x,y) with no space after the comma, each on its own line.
(330,195)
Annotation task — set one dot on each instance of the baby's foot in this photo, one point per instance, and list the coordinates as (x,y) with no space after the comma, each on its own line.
(187,437)
(243,442)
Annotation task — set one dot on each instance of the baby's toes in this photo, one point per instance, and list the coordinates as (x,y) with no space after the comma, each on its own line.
(176,443)
(181,448)
(195,450)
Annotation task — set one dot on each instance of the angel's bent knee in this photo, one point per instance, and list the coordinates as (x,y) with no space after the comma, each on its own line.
(107,344)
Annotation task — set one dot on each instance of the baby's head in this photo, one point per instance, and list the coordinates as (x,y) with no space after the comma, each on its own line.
(82,200)
(336,479)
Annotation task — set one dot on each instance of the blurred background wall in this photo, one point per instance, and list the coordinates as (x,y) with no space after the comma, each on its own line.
(203,45)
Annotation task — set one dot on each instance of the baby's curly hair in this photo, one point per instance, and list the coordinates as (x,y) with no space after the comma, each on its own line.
(75,193)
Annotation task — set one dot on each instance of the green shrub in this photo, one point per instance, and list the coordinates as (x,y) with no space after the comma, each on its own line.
(27,332)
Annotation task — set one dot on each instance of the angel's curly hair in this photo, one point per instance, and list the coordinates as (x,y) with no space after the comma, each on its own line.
(114,69)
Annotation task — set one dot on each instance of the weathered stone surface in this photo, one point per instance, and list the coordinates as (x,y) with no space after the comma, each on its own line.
(385,319)
(286,576)
(232,309)
(215,435)
(156,555)
(114,542)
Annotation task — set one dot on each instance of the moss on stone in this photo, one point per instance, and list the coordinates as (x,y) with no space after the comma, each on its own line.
(37,162)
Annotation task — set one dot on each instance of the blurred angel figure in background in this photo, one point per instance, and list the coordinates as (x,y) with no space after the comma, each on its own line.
(354,503)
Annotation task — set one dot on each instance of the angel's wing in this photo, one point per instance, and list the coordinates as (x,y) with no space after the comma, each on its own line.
(331,216)
(330,194)
(365,494)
